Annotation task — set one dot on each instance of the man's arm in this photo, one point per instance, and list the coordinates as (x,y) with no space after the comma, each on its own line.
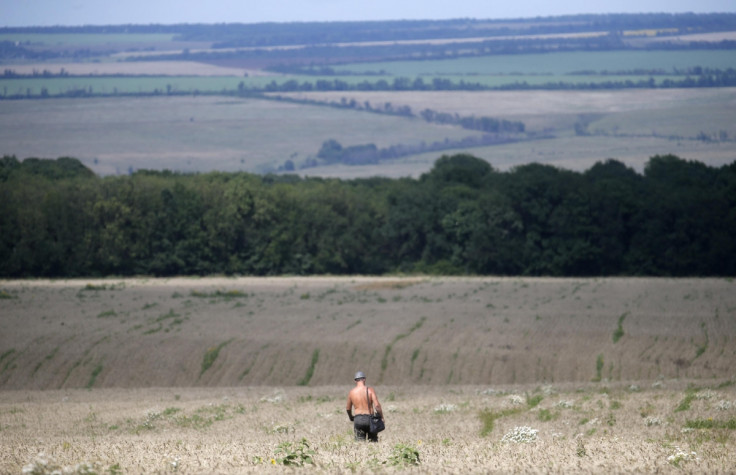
(376,404)
(349,408)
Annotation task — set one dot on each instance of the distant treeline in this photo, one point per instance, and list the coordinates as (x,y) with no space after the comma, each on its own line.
(678,218)
(271,34)
(365,154)
(713,78)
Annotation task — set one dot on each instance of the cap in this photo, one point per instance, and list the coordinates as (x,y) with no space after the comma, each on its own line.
(359,375)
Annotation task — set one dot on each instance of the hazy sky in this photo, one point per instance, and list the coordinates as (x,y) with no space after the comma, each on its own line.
(105,12)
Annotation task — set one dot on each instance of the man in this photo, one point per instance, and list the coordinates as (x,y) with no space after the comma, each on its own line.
(362,398)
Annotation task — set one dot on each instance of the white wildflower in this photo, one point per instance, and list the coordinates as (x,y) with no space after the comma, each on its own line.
(724,405)
(634,388)
(657,384)
(681,456)
(565,404)
(445,408)
(516,400)
(277,397)
(707,394)
(653,421)
(520,435)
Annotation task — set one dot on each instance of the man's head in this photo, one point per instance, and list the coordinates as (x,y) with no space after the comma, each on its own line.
(359,376)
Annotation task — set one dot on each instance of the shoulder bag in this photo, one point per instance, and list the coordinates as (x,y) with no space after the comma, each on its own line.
(377,424)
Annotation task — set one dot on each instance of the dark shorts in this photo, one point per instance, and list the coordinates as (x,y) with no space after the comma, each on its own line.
(361,426)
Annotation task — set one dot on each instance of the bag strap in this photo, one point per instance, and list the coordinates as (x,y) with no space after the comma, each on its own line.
(370,403)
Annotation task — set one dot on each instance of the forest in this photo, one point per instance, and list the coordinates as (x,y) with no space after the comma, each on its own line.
(463,217)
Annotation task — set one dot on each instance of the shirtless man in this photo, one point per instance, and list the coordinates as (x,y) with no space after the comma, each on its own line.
(358,399)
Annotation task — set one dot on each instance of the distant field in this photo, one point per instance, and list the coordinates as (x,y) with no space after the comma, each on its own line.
(148,68)
(630,125)
(194,133)
(554,64)
(110,135)
(84,39)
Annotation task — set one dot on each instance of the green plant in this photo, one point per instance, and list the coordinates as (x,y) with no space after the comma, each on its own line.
(93,376)
(545,415)
(310,371)
(109,313)
(533,401)
(685,403)
(598,368)
(404,455)
(226,294)
(488,419)
(5,295)
(710,423)
(580,449)
(295,454)
(619,332)
(211,355)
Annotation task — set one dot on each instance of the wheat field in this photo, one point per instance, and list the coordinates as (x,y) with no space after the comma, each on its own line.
(599,428)
(475,374)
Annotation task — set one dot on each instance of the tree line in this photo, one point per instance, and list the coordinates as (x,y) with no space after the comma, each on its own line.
(677,218)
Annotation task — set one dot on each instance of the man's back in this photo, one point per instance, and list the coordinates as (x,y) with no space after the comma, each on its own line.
(359,400)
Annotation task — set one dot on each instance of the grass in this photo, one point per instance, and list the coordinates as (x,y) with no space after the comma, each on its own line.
(5,295)
(400,336)
(598,368)
(684,405)
(489,417)
(93,377)
(211,355)
(226,294)
(619,332)
(310,370)
(711,423)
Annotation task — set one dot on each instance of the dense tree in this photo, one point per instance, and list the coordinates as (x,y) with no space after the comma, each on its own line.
(677,218)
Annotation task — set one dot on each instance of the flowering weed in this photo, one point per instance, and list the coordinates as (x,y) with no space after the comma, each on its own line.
(520,435)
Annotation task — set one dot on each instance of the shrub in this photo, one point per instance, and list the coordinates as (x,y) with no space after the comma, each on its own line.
(295,454)
(404,455)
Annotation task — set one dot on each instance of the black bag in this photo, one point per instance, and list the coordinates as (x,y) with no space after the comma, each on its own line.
(377,424)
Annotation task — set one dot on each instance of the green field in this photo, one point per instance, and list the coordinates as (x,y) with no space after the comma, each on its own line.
(553,64)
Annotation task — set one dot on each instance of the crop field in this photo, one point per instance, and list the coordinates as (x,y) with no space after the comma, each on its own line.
(665,428)
(243,375)
(553,64)
(113,135)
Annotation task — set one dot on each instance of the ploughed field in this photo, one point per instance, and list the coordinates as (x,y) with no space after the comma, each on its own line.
(475,374)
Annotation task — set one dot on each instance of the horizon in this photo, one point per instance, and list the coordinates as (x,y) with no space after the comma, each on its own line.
(70,13)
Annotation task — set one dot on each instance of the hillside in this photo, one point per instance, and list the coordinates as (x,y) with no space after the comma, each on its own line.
(400,331)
